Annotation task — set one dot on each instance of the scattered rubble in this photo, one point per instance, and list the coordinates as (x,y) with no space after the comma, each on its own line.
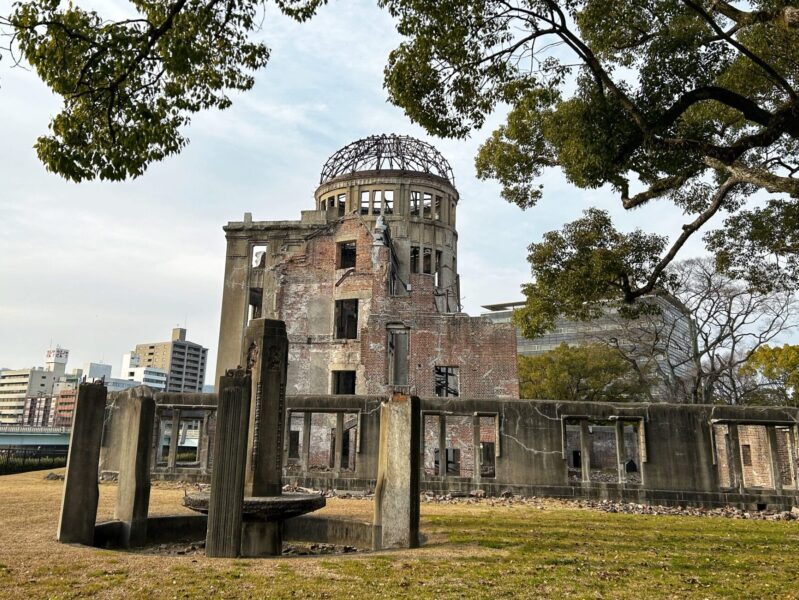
(54,477)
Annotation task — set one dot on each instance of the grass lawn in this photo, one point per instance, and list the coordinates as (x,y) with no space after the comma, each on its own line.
(473,550)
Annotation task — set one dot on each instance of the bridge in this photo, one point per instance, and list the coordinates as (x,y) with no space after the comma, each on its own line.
(20,435)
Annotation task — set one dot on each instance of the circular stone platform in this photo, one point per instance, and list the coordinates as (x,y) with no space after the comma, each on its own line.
(263,508)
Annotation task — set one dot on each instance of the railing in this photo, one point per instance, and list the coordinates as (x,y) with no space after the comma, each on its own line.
(32,429)
(19,460)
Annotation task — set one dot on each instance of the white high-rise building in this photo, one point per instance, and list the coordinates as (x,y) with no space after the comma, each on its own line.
(18,384)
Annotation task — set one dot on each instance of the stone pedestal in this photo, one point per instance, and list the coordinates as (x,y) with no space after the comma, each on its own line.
(79,502)
(223,538)
(396,516)
(261,538)
(136,409)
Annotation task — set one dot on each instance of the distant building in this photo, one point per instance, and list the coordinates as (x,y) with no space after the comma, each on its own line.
(149,376)
(672,328)
(183,362)
(40,412)
(16,385)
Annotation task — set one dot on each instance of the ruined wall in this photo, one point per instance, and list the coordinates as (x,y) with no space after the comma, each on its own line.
(524,447)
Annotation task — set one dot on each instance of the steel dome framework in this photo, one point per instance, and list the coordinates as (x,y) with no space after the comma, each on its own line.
(387,152)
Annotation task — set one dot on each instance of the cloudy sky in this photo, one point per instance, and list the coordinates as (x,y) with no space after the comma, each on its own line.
(99,267)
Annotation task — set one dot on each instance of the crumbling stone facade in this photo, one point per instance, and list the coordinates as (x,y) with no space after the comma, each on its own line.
(367,283)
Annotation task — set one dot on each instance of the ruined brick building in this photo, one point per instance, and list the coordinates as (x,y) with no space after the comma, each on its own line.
(367,283)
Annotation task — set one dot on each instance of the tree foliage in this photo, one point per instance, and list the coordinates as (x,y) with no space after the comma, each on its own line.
(774,371)
(591,372)
(689,101)
(130,85)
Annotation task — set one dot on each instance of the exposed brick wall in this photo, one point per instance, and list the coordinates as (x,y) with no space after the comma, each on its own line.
(758,473)
(483,352)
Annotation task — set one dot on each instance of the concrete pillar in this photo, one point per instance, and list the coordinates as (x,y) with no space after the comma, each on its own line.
(478,455)
(442,445)
(620,452)
(79,501)
(585,450)
(306,440)
(396,513)
(136,409)
(203,441)
(266,357)
(223,538)
(235,301)
(339,449)
(736,466)
(173,440)
(775,458)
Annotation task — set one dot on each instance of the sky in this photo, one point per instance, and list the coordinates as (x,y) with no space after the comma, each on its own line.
(98,267)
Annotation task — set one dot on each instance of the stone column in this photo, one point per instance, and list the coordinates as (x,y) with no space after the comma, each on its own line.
(775,458)
(265,353)
(585,450)
(477,448)
(235,299)
(266,357)
(442,445)
(736,466)
(396,513)
(174,438)
(620,464)
(339,447)
(81,493)
(136,409)
(306,440)
(223,538)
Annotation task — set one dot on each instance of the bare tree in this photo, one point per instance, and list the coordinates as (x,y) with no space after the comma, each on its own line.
(696,341)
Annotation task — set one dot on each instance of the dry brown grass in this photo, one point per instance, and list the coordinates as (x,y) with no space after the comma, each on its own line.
(473,550)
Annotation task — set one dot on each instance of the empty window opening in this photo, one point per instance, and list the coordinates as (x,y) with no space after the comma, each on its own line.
(415,203)
(459,437)
(388,202)
(446,381)
(746,455)
(258,255)
(427,205)
(349,438)
(164,437)
(347,319)
(295,448)
(755,456)
(630,452)
(364,203)
(721,437)
(427,261)
(341,204)
(322,446)
(786,457)
(344,382)
(377,203)
(437,208)
(346,252)
(432,431)
(397,355)
(255,304)
(604,465)
(323,204)
(331,202)
(438,268)
(488,447)
(188,442)
(414,259)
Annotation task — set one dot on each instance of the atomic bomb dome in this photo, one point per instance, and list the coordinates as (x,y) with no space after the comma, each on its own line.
(387,152)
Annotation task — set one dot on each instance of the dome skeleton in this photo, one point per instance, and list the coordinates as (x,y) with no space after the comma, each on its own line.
(387,152)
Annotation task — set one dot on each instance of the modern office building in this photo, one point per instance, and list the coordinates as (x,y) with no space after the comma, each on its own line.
(16,385)
(182,361)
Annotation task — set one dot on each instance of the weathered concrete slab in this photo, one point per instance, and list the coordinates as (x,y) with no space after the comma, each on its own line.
(79,501)
(135,408)
(396,514)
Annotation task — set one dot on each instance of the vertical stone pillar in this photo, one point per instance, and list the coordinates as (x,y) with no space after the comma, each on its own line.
(339,448)
(306,440)
(223,538)
(266,357)
(736,466)
(136,409)
(442,445)
(477,451)
(81,493)
(235,298)
(396,514)
(585,450)
(622,476)
(775,458)
(174,438)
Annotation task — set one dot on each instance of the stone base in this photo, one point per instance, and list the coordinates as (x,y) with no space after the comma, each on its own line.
(261,538)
